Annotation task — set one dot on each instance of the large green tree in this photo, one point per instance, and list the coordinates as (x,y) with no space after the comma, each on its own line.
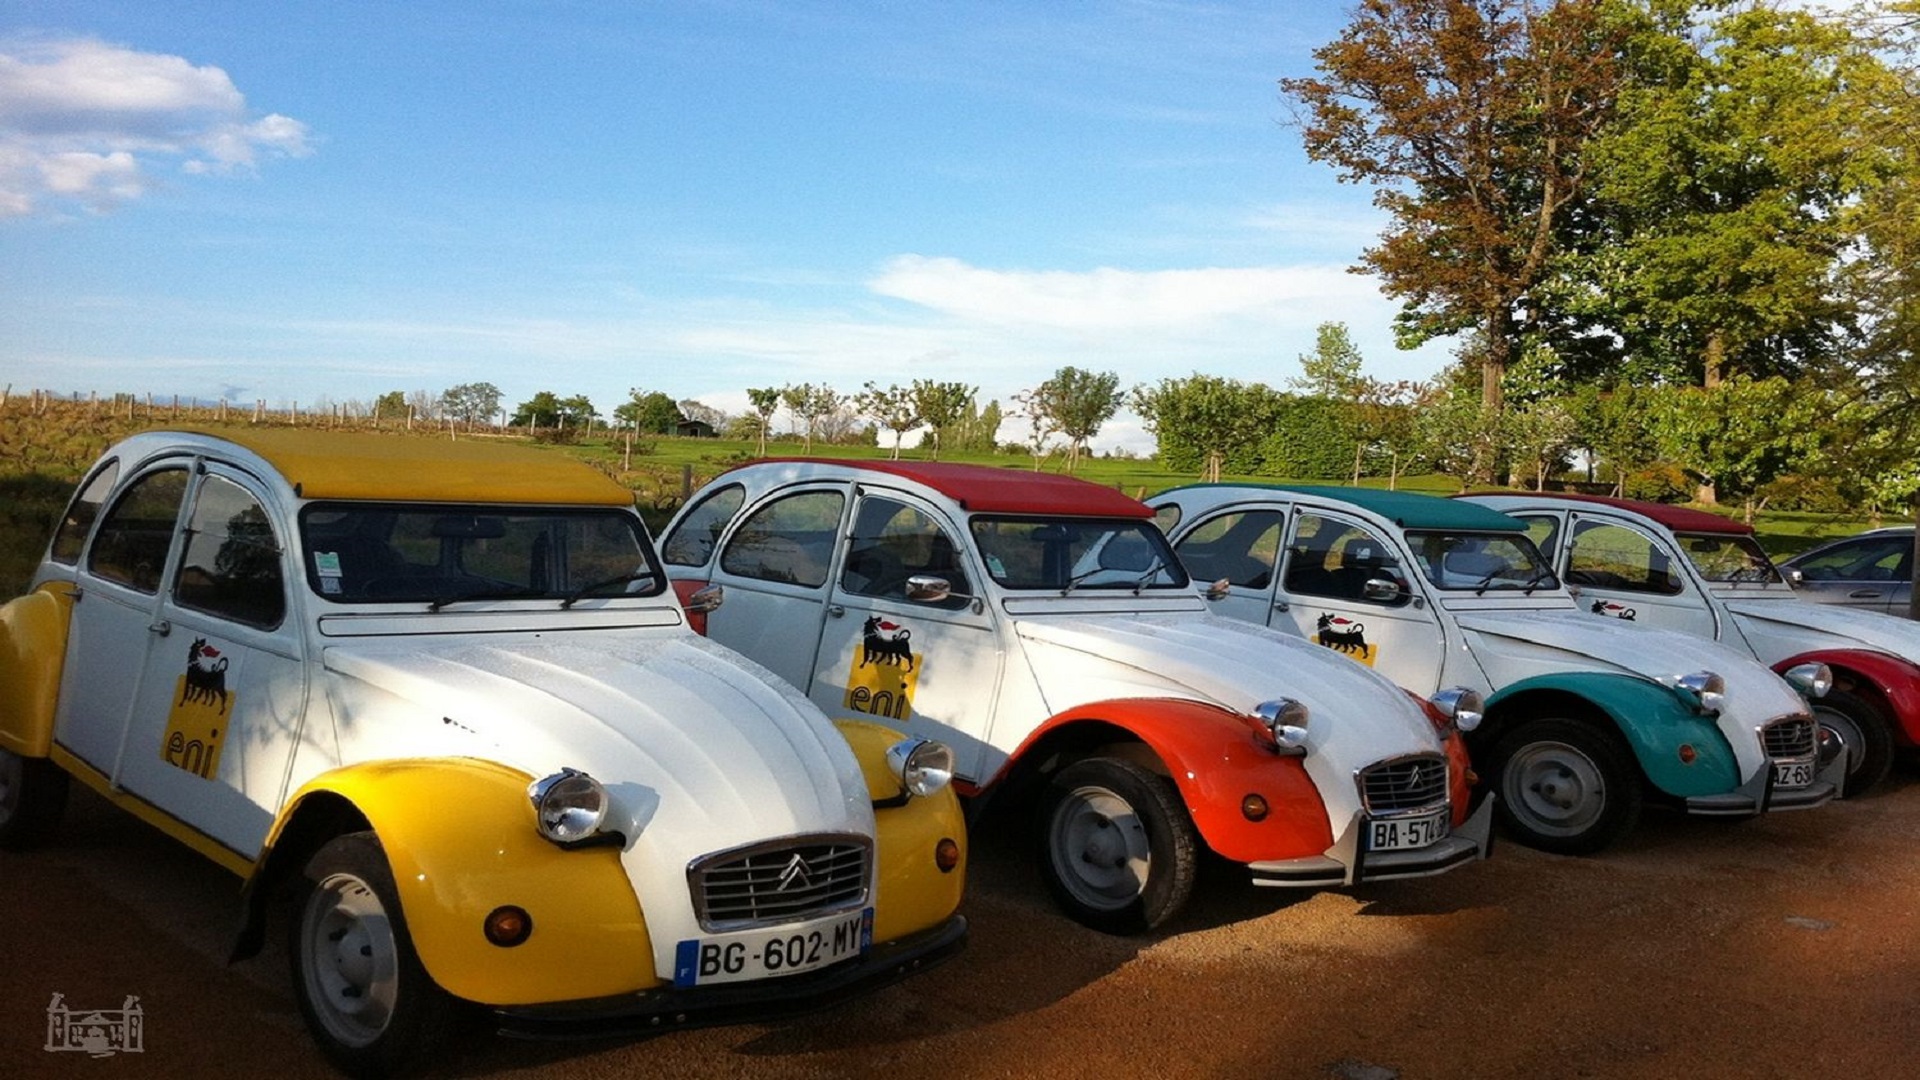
(649,412)
(471,403)
(1206,424)
(1725,189)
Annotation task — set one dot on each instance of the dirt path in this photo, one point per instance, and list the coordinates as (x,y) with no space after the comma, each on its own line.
(1788,947)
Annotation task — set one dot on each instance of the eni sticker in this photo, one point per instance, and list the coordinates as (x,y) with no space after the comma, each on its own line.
(1612,608)
(197,723)
(884,670)
(1344,635)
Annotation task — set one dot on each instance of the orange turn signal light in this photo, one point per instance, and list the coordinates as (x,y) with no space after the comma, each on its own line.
(1254,808)
(508,926)
(946,855)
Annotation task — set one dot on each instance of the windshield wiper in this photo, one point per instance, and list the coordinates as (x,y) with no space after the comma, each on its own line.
(618,579)
(1077,579)
(1152,572)
(498,592)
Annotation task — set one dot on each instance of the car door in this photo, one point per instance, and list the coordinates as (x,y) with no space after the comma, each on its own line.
(1873,573)
(211,705)
(1322,596)
(1241,546)
(1621,570)
(932,668)
(774,562)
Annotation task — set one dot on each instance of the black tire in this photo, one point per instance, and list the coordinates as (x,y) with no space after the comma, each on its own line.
(33,796)
(368,1002)
(1858,726)
(1567,787)
(1117,846)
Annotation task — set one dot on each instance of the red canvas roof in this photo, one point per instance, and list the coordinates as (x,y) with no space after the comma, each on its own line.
(992,490)
(1676,518)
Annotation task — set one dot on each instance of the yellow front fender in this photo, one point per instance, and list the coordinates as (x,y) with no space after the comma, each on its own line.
(33,649)
(459,835)
(913,892)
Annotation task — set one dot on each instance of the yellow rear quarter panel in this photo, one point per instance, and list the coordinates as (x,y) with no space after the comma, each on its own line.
(33,648)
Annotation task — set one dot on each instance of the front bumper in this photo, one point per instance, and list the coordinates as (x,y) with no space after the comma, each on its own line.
(667,1007)
(1346,864)
(1759,795)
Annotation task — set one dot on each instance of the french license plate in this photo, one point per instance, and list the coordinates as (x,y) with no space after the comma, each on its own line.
(771,953)
(1405,834)
(1792,773)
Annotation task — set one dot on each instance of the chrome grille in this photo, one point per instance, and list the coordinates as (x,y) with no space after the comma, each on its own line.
(1794,737)
(787,880)
(1408,783)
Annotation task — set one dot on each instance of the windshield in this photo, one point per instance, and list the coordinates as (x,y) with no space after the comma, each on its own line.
(1724,558)
(440,554)
(1068,554)
(1477,562)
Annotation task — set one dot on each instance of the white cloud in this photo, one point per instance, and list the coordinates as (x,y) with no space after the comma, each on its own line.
(84,121)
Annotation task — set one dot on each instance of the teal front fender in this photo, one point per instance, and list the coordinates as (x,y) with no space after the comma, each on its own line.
(1652,718)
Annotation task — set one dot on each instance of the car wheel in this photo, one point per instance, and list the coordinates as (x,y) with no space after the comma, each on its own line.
(367,1000)
(1118,847)
(33,795)
(1854,724)
(1565,786)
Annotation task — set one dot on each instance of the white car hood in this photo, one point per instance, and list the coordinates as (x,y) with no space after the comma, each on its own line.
(1799,625)
(1511,646)
(700,749)
(1356,717)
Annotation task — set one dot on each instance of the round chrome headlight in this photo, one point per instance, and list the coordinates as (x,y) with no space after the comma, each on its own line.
(1813,680)
(1709,690)
(568,806)
(1462,705)
(1286,719)
(924,766)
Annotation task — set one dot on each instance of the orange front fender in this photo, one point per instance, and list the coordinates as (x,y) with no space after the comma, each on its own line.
(1217,760)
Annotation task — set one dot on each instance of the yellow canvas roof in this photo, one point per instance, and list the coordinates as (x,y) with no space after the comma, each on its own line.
(353,465)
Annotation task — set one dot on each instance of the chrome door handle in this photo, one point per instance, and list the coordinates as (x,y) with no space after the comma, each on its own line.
(161,627)
(836,611)
(1282,605)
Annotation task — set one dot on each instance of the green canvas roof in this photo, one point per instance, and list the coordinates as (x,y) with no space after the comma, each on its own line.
(1404,508)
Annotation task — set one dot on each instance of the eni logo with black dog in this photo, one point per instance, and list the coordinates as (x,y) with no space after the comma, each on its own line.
(1344,635)
(197,721)
(884,670)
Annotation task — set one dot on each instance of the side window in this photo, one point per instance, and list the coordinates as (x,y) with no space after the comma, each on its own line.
(132,546)
(789,539)
(893,542)
(230,566)
(1873,559)
(693,542)
(1336,559)
(72,534)
(1617,557)
(1241,548)
(1544,532)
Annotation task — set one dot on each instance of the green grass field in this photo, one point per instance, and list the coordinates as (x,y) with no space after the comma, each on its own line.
(44,452)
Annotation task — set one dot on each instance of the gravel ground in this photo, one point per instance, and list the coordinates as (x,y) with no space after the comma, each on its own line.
(1783,947)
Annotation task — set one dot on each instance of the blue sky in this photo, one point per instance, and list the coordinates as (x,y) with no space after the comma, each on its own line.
(324,202)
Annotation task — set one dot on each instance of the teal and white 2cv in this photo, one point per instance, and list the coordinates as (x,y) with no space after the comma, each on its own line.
(1586,720)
